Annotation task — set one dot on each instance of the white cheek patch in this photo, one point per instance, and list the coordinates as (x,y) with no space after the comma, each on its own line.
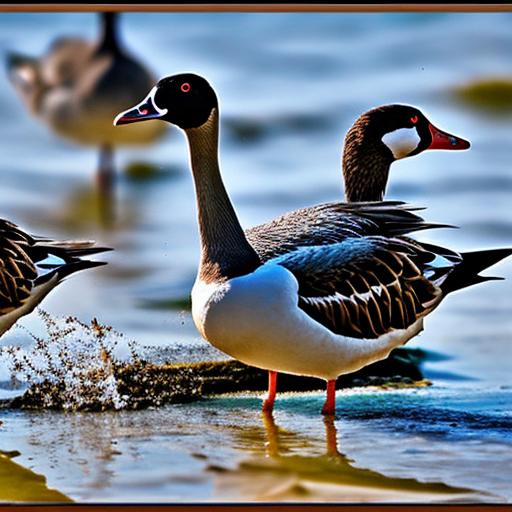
(402,141)
(151,98)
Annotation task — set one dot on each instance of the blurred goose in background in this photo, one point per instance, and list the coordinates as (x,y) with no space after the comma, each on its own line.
(278,298)
(78,86)
(30,267)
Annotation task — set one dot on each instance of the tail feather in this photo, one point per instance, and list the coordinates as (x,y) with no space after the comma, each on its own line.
(68,250)
(467,272)
(68,253)
(395,217)
(404,230)
(66,270)
(71,268)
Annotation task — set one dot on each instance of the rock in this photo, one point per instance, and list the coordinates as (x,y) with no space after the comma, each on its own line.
(145,384)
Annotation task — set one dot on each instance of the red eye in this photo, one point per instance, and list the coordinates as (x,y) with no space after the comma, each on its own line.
(414,119)
(185,87)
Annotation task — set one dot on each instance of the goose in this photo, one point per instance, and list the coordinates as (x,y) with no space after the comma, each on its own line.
(30,267)
(78,86)
(321,291)
(377,138)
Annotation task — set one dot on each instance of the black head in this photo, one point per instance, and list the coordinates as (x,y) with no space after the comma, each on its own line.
(186,100)
(405,131)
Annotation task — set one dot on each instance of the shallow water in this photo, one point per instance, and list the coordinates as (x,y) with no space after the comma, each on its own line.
(420,445)
(290,85)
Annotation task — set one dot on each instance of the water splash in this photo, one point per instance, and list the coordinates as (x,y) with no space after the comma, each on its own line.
(72,367)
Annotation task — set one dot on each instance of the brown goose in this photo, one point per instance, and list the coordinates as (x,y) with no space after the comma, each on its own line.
(318,309)
(78,86)
(30,267)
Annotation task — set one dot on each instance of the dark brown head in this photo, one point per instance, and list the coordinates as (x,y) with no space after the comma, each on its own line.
(186,100)
(404,131)
(381,136)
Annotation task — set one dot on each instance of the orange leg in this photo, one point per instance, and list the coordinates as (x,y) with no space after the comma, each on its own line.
(329,407)
(268,405)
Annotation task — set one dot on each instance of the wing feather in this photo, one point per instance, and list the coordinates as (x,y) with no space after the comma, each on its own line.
(364,287)
(331,223)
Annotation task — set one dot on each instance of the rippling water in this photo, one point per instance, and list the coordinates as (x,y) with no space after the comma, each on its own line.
(290,85)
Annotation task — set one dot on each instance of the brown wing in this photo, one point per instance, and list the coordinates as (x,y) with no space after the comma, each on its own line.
(365,287)
(17,275)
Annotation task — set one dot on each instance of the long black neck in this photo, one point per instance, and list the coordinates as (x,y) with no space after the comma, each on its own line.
(109,39)
(365,167)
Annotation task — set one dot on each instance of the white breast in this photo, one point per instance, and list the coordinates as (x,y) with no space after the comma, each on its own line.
(256,319)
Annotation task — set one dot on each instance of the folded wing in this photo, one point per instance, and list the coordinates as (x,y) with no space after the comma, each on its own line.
(364,287)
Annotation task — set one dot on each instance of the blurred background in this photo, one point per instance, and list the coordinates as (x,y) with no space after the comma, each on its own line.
(290,86)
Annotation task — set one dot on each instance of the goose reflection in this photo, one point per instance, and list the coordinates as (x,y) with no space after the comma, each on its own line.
(286,467)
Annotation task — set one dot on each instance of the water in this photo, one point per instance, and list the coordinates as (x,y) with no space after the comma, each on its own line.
(290,85)
(392,446)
